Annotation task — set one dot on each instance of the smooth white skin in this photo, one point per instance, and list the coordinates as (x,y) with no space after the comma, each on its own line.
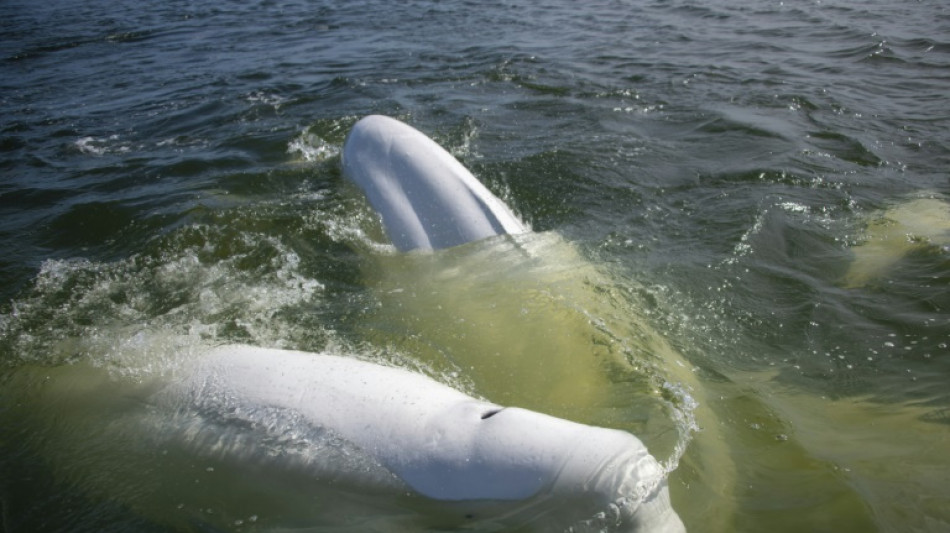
(442,443)
(426,198)
(298,428)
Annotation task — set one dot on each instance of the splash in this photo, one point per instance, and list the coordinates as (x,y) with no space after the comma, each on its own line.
(79,309)
(311,148)
(99,146)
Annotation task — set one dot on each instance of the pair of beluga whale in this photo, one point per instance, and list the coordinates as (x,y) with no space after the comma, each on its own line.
(317,428)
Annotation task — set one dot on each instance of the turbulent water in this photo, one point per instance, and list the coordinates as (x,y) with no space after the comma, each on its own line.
(760,187)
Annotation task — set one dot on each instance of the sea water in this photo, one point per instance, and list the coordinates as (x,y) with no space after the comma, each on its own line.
(726,176)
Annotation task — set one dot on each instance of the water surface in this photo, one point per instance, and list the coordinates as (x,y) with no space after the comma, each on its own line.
(171,178)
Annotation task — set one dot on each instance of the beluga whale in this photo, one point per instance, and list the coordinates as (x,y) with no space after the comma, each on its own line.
(322,440)
(915,224)
(522,315)
(234,436)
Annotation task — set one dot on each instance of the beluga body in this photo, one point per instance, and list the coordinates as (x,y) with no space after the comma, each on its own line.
(323,441)
(497,312)
(484,463)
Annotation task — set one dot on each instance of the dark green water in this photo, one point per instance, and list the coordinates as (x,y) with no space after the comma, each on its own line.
(171,177)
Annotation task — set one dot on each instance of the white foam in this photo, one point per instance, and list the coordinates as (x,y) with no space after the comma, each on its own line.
(311,148)
(271,99)
(128,309)
(102,145)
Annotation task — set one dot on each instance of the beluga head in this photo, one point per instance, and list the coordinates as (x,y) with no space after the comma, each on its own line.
(426,198)
(545,473)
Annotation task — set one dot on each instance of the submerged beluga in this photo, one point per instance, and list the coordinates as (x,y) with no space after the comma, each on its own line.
(329,442)
(523,316)
(915,224)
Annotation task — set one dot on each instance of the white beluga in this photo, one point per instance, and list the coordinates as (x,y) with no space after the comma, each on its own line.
(504,466)
(324,441)
(521,314)
(890,235)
